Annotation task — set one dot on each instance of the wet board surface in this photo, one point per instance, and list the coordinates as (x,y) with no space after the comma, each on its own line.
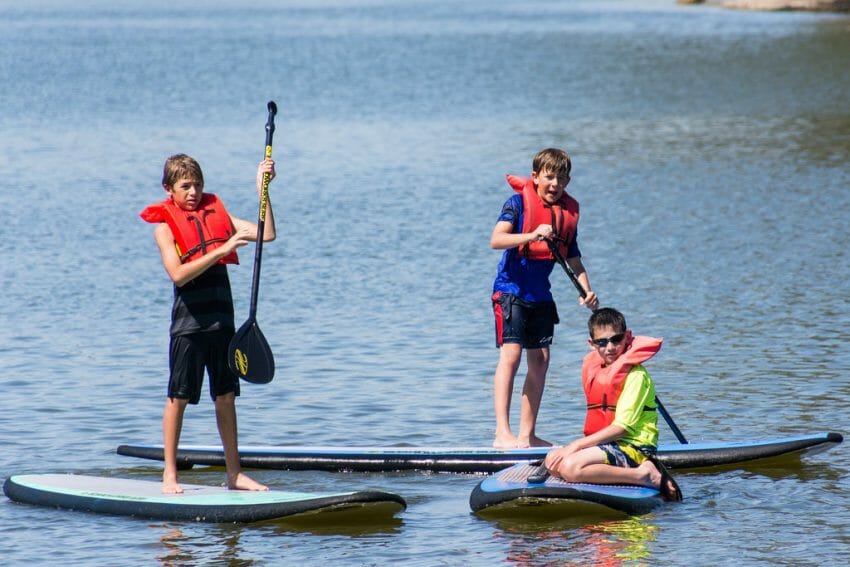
(473,459)
(509,491)
(144,499)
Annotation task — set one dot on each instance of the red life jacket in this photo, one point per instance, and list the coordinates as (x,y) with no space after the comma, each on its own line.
(195,232)
(603,385)
(563,216)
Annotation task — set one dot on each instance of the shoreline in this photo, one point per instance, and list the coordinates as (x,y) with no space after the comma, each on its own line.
(837,6)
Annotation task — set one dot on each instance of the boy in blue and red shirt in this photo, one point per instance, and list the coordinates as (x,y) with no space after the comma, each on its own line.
(539,215)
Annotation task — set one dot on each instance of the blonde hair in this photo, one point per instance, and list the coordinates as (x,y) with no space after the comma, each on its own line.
(179,166)
(553,160)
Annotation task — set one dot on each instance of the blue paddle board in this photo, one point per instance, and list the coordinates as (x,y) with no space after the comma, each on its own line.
(471,459)
(510,491)
(144,499)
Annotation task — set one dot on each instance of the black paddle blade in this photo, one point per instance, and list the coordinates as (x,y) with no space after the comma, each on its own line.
(250,356)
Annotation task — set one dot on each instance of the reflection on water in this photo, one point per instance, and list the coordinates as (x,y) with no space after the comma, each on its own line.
(184,546)
(803,471)
(173,553)
(197,544)
(609,542)
(353,525)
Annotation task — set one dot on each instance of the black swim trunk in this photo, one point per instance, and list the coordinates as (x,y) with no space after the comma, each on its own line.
(190,355)
(530,324)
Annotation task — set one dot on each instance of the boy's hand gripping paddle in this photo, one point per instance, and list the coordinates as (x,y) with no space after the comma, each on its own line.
(249,354)
(553,246)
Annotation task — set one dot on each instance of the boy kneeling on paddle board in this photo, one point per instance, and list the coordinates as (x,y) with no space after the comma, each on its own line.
(621,427)
(197,238)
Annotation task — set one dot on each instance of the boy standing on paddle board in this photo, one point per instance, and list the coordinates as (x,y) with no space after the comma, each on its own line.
(539,214)
(621,426)
(197,238)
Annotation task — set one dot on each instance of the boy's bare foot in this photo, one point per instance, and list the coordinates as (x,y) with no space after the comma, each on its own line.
(657,476)
(244,482)
(651,476)
(532,441)
(170,485)
(505,441)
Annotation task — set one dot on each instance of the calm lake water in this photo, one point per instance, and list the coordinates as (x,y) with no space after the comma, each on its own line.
(710,153)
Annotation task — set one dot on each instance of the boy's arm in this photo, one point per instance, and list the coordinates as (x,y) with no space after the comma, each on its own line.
(269,229)
(504,237)
(605,435)
(590,300)
(181,273)
(638,393)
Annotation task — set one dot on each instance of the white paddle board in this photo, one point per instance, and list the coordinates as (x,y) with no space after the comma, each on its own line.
(144,499)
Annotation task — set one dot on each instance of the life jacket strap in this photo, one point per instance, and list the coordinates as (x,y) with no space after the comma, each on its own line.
(606,407)
(202,246)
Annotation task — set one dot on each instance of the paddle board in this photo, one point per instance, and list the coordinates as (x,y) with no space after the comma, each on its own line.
(510,491)
(471,460)
(144,499)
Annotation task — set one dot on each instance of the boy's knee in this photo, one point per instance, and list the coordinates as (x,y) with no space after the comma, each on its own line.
(510,355)
(177,403)
(568,471)
(225,399)
(565,467)
(538,358)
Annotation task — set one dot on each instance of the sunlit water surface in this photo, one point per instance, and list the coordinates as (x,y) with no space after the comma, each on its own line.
(710,154)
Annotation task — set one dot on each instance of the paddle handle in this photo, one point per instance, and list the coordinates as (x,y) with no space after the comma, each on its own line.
(261,217)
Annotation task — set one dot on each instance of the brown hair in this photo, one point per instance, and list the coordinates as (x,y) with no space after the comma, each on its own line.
(179,166)
(606,316)
(552,160)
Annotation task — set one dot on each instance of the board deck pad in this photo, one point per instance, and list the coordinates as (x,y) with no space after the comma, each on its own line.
(510,490)
(144,499)
(473,459)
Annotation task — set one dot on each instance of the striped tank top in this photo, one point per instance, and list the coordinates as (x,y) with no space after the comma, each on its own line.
(203,304)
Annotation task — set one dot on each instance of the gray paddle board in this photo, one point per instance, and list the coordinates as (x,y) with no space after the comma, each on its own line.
(476,459)
(144,499)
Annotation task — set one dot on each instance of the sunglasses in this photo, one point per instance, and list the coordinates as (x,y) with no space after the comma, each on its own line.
(613,339)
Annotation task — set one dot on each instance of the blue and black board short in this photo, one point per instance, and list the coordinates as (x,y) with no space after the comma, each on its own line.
(190,355)
(624,454)
(530,324)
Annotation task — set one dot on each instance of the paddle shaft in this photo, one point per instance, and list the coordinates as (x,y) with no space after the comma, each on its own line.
(676,431)
(573,278)
(250,356)
(261,217)
(556,252)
